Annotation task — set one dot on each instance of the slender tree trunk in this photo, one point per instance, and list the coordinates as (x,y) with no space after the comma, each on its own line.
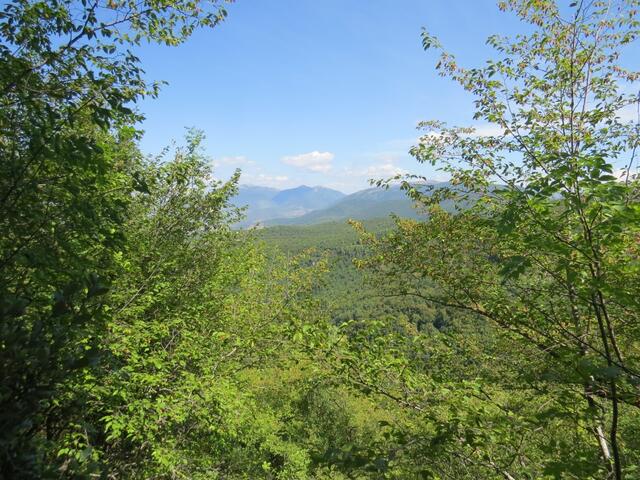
(597,429)
(599,433)
(613,433)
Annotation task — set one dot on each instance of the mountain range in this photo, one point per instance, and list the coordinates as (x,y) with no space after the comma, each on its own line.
(305,205)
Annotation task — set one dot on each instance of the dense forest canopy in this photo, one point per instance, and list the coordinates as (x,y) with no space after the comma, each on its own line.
(494,336)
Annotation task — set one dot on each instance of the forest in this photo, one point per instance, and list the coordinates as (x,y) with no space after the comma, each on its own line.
(495,336)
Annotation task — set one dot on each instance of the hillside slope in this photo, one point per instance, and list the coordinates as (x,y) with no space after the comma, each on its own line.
(363,205)
(264,203)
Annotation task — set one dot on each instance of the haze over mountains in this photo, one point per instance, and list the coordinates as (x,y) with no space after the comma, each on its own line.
(305,205)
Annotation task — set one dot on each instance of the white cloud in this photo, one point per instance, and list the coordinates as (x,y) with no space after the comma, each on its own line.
(430,136)
(384,170)
(628,113)
(236,161)
(622,174)
(265,180)
(487,130)
(482,130)
(314,161)
(375,171)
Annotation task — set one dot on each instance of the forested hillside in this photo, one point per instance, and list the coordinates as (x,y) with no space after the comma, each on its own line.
(495,334)
(347,292)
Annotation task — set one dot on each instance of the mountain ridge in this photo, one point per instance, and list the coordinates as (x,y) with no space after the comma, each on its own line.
(304,205)
(265,203)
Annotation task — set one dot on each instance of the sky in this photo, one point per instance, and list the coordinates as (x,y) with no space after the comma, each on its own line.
(316,92)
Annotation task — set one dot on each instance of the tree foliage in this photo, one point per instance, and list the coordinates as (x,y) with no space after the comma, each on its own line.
(548,251)
(68,84)
(142,337)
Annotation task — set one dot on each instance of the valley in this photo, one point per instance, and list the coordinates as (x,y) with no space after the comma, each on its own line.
(347,292)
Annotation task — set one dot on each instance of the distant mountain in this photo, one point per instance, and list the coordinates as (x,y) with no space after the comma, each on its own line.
(265,203)
(362,205)
(310,198)
(313,205)
(250,194)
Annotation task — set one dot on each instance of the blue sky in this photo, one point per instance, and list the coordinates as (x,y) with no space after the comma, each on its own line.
(317,92)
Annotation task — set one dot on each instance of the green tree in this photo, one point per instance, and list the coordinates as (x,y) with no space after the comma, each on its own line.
(199,323)
(544,246)
(68,84)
